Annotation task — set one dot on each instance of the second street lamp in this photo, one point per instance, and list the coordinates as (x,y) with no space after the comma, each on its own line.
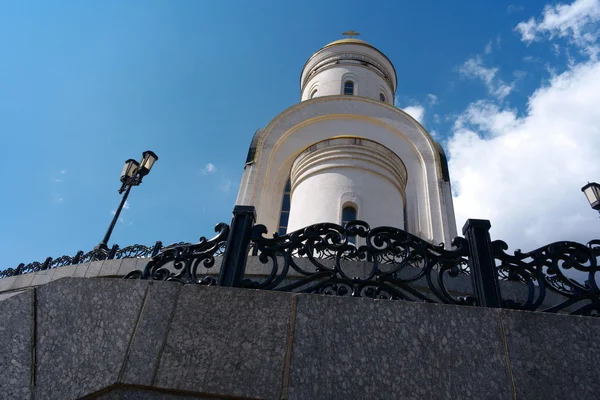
(592,192)
(132,175)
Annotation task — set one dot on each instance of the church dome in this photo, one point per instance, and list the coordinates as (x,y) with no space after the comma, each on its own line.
(349,66)
(346,41)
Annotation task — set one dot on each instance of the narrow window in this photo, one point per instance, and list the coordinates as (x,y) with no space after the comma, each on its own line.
(285,210)
(313,94)
(382,97)
(349,214)
(349,87)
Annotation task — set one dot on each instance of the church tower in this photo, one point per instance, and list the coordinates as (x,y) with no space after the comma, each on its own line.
(346,152)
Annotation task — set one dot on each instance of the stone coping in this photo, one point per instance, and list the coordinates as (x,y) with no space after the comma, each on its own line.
(459,286)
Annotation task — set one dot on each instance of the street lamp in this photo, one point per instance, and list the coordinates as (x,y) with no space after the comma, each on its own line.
(592,192)
(132,175)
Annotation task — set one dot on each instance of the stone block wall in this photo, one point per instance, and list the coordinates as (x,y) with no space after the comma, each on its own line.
(127,339)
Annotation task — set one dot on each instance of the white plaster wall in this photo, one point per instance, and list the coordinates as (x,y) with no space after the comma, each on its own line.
(284,153)
(318,119)
(383,64)
(321,197)
(330,82)
(337,172)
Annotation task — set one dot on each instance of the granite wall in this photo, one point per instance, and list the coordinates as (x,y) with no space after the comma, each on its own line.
(126,339)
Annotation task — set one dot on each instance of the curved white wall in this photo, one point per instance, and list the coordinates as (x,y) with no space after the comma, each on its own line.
(356,60)
(330,82)
(430,213)
(342,171)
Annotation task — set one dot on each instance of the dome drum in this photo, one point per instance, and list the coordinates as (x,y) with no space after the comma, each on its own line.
(335,172)
(349,52)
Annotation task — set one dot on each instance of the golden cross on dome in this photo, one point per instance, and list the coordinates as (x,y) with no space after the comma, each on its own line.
(351,33)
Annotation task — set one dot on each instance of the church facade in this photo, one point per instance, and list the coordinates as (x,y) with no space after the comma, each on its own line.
(346,152)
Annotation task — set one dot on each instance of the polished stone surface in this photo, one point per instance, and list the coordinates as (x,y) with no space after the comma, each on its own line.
(127,265)
(94,269)
(16,339)
(128,393)
(110,268)
(229,342)
(150,334)
(553,356)
(354,348)
(84,327)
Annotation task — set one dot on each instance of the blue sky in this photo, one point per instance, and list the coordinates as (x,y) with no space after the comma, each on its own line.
(86,85)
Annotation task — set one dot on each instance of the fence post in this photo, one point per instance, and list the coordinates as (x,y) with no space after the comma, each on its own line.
(481,263)
(156,248)
(112,252)
(75,260)
(19,269)
(46,263)
(236,251)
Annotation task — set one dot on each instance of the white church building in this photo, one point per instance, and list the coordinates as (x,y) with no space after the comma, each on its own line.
(346,152)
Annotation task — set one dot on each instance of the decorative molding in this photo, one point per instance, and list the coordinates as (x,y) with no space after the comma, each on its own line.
(339,58)
(356,153)
(365,44)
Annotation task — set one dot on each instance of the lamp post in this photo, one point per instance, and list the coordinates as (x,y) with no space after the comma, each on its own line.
(132,175)
(592,192)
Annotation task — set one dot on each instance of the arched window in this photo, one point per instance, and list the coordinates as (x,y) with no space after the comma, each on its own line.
(313,93)
(349,87)
(382,97)
(349,214)
(285,210)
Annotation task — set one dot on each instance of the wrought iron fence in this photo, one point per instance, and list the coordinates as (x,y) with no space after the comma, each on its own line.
(388,263)
(383,262)
(134,251)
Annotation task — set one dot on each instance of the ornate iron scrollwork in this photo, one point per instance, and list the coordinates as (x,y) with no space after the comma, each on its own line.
(543,271)
(178,244)
(61,262)
(389,263)
(181,263)
(135,251)
(93,255)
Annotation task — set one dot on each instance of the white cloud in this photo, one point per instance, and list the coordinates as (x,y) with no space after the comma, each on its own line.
(436,118)
(473,68)
(432,99)
(513,9)
(576,22)
(525,173)
(556,49)
(58,180)
(417,112)
(126,205)
(209,169)
(488,48)
(487,118)
(225,185)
